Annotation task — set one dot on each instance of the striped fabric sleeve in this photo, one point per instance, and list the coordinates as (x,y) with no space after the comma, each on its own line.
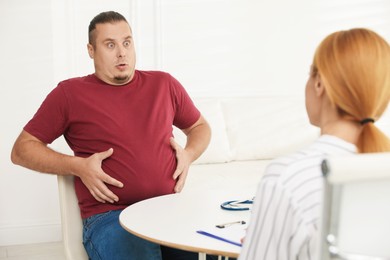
(276,229)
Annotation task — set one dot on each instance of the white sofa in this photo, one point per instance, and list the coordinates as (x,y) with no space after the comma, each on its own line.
(247,133)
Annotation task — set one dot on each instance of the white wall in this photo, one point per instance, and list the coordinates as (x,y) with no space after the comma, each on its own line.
(214,47)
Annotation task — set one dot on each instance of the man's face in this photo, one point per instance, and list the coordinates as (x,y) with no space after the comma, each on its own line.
(113,52)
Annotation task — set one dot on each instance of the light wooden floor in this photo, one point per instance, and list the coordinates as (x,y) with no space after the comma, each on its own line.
(46,251)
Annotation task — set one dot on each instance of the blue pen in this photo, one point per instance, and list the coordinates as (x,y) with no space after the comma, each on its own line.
(219,238)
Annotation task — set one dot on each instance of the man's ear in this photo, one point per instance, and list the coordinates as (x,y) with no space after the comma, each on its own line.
(91,50)
(319,86)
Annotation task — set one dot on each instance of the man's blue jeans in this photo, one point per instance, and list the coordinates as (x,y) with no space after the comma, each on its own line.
(105,239)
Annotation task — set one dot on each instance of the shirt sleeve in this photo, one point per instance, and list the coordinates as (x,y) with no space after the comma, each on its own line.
(49,122)
(186,113)
(276,230)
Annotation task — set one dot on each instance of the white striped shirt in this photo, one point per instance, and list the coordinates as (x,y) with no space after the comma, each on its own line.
(286,215)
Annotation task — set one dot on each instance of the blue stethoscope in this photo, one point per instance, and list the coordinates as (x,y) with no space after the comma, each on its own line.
(237,204)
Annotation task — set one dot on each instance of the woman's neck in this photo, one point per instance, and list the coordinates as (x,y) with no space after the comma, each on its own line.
(342,128)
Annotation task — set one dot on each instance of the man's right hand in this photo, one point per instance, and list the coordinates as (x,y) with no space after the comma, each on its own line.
(30,152)
(95,179)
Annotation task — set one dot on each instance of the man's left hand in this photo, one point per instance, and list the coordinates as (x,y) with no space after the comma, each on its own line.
(183,164)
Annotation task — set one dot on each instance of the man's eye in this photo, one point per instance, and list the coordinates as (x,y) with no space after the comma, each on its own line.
(126,43)
(110,45)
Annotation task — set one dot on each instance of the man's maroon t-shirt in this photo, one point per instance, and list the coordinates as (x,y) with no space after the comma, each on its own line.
(134,119)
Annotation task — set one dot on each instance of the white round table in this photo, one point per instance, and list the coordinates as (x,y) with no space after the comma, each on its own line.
(172,220)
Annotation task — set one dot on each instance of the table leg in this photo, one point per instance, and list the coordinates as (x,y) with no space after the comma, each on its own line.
(202,256)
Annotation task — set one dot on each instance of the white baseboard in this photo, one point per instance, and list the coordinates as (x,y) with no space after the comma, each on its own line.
(40,233)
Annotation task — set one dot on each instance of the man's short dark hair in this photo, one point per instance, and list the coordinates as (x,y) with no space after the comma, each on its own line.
(104,17)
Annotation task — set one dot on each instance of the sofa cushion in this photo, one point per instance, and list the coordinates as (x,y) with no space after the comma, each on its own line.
(218,150)
(240,178)
(266,127)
